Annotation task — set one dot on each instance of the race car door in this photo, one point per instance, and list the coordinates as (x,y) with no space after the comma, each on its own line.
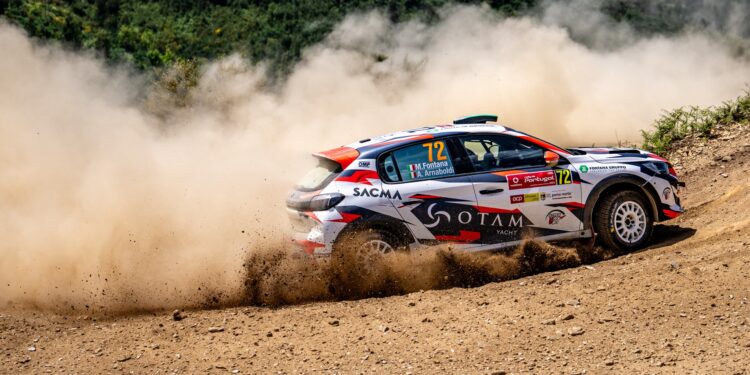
(518,193)
(433,200)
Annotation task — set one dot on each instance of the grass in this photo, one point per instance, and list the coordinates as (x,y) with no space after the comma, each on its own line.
(692,120)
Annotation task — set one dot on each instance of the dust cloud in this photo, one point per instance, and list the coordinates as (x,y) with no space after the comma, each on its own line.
(106,205)
(277,277)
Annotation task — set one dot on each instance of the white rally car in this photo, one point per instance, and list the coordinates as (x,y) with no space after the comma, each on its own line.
(481,187)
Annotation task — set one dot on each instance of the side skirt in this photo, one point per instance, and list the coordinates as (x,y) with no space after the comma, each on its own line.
(472,248)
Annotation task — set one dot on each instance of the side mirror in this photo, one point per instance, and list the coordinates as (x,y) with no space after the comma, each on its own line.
(551,158)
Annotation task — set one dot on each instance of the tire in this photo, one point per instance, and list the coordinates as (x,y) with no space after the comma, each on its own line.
(359,269)
(370,241)
(623,222)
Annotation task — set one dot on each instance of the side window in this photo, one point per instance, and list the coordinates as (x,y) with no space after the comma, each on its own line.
(389,166)
(421,161)
(496,152)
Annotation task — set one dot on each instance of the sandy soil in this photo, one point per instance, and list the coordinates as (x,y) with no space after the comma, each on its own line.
(680,306)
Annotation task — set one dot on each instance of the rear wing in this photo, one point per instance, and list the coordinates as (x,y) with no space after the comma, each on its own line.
(342,155)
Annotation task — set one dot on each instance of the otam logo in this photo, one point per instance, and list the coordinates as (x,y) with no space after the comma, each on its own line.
(436,216)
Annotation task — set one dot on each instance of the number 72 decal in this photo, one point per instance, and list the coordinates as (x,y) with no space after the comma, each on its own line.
(439,147)
(563,176)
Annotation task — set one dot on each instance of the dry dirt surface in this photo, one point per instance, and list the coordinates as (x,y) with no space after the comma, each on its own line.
(680,306)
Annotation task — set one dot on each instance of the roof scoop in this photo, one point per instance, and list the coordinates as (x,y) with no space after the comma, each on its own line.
(475,119)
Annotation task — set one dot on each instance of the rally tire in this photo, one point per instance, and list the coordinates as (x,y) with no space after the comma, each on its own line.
(623,222)
(371,240)
(359,268)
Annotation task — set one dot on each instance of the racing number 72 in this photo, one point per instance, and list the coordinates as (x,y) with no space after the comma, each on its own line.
(563,176)
(439,147)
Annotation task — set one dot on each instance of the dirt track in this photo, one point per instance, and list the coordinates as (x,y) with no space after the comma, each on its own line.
(680,306)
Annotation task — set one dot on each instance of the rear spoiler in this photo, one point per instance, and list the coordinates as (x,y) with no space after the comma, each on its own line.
(342,155)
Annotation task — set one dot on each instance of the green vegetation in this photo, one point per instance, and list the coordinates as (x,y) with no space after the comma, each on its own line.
(159,33)
(156,33)
(682,122)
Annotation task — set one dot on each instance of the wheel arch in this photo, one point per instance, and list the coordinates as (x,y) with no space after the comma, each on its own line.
(619,183)
(384,223)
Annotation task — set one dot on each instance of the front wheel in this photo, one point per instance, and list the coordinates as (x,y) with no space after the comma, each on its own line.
(623,222)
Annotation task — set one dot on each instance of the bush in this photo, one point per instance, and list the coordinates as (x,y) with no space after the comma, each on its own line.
(682,122)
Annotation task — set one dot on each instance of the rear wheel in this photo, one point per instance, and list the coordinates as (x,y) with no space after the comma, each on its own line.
(359,265)
(623,222)
(376,242)
(370,241)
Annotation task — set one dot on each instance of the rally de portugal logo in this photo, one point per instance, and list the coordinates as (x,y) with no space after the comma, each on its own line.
(584,168)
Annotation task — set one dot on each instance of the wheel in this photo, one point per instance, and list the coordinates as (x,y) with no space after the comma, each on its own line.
(375,242)
(623,222)
(359,268)
(369,242)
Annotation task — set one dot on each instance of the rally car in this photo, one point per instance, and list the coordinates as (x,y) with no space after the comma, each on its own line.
(479,186)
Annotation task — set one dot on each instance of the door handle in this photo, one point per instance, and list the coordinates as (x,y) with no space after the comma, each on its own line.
(491,191)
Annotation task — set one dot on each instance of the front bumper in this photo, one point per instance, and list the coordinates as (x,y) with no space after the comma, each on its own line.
(671,212)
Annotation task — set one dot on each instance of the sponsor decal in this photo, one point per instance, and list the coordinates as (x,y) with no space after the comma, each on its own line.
(364,164)
(376,193)
(531,180)
(601,168)
(467,217)
(554,217)
(527,198)
(559,195)
(539,179)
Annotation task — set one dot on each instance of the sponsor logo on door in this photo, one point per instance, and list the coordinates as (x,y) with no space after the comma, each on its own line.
(527,198)
(531,180)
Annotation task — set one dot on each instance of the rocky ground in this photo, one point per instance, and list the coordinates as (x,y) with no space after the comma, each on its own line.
(680,306)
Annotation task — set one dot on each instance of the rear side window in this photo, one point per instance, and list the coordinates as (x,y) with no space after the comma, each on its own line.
(319,176)
(421,161)
(496,152)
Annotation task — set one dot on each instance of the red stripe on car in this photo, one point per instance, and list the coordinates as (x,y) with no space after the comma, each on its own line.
(544,144)
(574,204)
(347,218)
(463,236)
(405,139)
(308,246)
(670,214)
(424,196)
(311,215)
(493,210)
(360,176)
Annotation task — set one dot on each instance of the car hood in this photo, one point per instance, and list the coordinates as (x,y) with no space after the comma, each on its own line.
(614,154)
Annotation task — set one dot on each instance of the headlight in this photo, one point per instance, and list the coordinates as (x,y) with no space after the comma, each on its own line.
(667,193)
(658,167)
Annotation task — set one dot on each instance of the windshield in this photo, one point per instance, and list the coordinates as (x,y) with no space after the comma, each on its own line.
(319,176)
